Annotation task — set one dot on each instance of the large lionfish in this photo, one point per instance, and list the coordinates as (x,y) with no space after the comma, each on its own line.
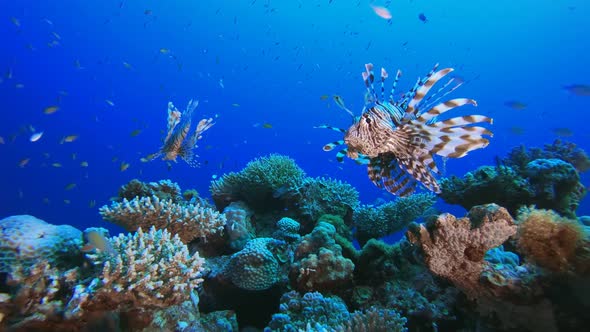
(398,139)
(178,142)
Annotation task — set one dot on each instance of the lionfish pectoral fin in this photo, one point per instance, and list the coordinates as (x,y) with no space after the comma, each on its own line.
(331,146)
(340,130)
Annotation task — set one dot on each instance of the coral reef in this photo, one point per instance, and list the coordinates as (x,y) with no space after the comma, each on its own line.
(35,297)
(520,156)
(238,225)
(375,222)
(318,196)
(165,190)
(148,270)
(258,265)
(25,240)
(547,178)
(259,183)
(319,264)
(549,240)
(315,312)
(188,221)
(455,248)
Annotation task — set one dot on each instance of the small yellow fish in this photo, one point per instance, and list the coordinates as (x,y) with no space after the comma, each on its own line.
(143,160)
(235,105)
(15,21)
(56,165)
(67,201)
(515,104)
(46,201)
(135,132)
(58,37)
(324,97)
(19,85)
(23,162)
(115,158)
(124,166)
(74,156)
(97,240)
(563,132)
(92,203)
(164,51)
(84,164)
(109,102)
(70,186)
(36,136)
(266,125)
(70,138)
(51,109)
(127,65)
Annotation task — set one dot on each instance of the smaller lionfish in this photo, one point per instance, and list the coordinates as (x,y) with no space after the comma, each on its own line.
(398,139)
(178,142)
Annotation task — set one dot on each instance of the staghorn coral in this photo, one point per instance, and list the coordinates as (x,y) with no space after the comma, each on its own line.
(455,248)
(258,265)
(24,240)
(189,221)
(549,240)
(259,183)
(375,222)
(148,271)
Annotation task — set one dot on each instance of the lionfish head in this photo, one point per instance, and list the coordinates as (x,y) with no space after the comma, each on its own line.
(369,133)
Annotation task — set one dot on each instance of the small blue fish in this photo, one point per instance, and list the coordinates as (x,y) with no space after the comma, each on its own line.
(422,17)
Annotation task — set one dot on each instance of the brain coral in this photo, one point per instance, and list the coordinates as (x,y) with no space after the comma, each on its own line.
(24,240)
(257,266)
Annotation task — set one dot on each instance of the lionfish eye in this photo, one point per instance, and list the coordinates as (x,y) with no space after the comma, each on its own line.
(368,120)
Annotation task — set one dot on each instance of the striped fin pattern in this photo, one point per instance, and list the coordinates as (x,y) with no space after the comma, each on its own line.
(178,142)
(397,140)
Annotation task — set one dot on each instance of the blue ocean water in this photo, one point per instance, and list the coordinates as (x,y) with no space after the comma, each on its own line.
(261,68)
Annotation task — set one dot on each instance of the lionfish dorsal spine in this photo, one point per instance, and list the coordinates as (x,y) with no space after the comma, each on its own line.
(423,89)
(398,74)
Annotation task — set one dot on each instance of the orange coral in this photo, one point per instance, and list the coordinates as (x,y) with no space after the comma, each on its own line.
(547,239)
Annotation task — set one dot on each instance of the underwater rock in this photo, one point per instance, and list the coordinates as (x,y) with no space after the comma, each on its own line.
(25,240)
(287,230)
(238,225)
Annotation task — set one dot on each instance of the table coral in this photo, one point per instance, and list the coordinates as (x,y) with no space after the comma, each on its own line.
(189,221)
